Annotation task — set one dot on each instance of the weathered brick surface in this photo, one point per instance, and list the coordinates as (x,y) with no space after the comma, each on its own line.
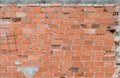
(69,42)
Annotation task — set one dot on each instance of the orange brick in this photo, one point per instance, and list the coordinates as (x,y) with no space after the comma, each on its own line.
(34,58)
(97,48)
(35,9)
(99,9)
(99,63)
(75,58)
(79,9)
(89,74)
(56,42)
(76,48)
(47,9)
(12,58)
(89,64)
(37,20)
(86,48)
(54,58)
(110,9)
(88,42)
(99,74)
(90,9)
(85,58)
(106,15)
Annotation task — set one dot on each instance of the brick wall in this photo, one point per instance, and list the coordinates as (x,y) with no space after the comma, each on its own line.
(51,41)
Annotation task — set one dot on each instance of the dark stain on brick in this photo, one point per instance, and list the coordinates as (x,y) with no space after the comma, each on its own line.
(83,26)
(65,47)
(111,29)
(75,26)
(95,25)
(116,43)
(5,18)
(52,52)
(23,57)
(16,19)
(74,69)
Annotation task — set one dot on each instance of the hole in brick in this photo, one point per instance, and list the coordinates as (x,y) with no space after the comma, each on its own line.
(55,48)
(19,6)
(47,15)
(44,52)
(117,63)
(105,9)
(95,26)
(23,57)
(115,13)
(81,74)
(116,43)
(74,69)
(16,19)
(52,52)
(111,29)
(83,26)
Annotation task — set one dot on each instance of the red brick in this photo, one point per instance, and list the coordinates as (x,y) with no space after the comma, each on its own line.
(10,14)
(85,58)
(1,14)
(37,20)
(90,9)
(35,9)
(99,63)
(106,15)
(54,58)
(99,74)
(97,48)
(75,58)
(89,64)
(71,41)
(67,9)
(78,48)
(14,9)
(86,48)
(34,58)
(30,14)
(89,74)
(88,42)
(99,9)
(79,9)
(93,15)
(110,9)
(56,42)
(47,9)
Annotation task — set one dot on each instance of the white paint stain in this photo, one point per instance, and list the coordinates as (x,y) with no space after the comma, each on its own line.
(28,70)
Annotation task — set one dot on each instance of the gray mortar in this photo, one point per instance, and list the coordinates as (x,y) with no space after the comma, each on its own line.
(28,70)
(117,49)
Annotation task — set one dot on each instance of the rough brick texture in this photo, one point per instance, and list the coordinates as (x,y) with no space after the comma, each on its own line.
(64,42)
